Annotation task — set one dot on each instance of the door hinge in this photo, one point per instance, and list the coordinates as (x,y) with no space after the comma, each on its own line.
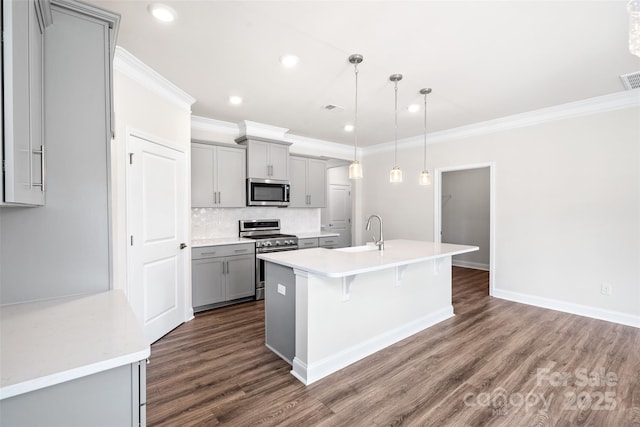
(130,158)
(132,240)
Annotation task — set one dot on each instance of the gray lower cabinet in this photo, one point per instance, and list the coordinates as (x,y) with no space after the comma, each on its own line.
(307,243)
(116,397)
(328,242)
(221,274)
(280,310)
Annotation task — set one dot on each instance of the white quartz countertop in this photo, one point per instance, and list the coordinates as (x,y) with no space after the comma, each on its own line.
(341,263)
(315,234)
(49,342)
(220,241)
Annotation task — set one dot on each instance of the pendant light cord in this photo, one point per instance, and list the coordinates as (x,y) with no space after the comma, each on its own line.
(395,158)
(355,122)
(425,132)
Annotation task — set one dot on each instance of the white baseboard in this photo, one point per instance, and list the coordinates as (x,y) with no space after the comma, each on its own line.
(568,307)
(469,264)
(308,374)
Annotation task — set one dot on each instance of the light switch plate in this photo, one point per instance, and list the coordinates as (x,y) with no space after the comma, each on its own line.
(282,289)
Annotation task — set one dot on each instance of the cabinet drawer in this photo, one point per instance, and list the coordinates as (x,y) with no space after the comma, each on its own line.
(308,243)
(327,241)
(223,250)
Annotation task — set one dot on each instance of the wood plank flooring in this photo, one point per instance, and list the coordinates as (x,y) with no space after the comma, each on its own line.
(496,363)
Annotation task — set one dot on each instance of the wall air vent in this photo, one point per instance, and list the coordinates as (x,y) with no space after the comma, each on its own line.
(331,107)
(631,80)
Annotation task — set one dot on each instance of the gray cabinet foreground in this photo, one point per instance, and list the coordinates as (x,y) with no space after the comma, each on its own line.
(116,397)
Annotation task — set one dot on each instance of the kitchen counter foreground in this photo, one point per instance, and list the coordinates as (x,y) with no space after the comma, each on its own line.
(48,342)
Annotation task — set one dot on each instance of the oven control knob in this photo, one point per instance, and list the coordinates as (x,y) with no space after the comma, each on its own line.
(266,244)
(289,242)
(278,243)
(258,244)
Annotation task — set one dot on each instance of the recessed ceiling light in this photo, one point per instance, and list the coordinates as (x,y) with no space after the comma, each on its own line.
(413,108)
(162,12)
(348,128)
(235,100)
(289,61)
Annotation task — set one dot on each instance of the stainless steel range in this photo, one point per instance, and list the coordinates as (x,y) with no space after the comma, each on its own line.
(266,233)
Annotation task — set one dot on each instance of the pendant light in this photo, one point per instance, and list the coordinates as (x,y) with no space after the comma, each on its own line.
(355,168)
(425,178)
(395,175)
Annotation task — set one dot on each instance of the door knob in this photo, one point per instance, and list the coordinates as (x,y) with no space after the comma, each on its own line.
(183,245)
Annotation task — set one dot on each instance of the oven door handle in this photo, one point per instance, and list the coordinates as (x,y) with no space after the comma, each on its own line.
(288,248)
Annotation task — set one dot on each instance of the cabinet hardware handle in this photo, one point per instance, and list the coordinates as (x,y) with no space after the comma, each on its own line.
(42,169)
(241,250)
(208,253)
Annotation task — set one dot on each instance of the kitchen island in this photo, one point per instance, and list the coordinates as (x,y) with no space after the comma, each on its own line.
(326,309)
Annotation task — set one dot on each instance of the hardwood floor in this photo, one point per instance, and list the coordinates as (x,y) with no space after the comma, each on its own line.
(496,363)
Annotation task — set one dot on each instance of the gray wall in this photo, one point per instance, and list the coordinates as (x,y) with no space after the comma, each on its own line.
(465,214)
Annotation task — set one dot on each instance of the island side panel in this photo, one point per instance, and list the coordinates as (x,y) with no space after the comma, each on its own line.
(384,307)
(279,308)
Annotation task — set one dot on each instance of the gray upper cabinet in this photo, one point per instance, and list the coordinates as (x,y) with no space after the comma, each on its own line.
(308,182)
(22,138)
(266,159)
(217,176)
(68,239)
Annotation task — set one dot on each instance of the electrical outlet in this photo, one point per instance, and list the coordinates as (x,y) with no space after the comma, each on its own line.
(605,288)
(282,289)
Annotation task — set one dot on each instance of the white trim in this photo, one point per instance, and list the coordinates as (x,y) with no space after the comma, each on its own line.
(437,210)
(261,130)
(319,147)
(213,125)
(600,104)
(127,64)
(470,264)
(569,307)
(310,373)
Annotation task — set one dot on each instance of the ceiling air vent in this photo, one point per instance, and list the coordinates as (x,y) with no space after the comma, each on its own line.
(631,80)
(331,107)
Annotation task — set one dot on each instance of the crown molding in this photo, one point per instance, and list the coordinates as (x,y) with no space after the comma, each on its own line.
(249,128)
(150,79)
(213,125)
(318,147)
(600,104)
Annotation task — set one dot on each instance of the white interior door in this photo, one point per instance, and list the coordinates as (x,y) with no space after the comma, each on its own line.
(340,212)
(157,226)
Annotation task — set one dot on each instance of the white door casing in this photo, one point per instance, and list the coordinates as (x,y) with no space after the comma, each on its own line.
(437,211)
(339,209)
(157,225)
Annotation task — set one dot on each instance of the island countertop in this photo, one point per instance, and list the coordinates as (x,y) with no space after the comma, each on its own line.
(345,262)
(44,343)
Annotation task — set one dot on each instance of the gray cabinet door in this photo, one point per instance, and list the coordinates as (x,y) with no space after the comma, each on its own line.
(279,160)
(258,159)
(328,242)
(217,176)
(23,62)
(202,170)
(311,242)
(240,277)
(207,281)
(316,183)
(107,398)
(230,168)
(298,179)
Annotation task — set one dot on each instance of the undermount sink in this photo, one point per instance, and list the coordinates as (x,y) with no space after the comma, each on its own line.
(363,248)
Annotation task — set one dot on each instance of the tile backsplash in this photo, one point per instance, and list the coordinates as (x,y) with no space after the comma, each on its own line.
(212,223)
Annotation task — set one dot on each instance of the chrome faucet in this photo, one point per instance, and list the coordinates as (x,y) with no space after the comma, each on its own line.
(378,243)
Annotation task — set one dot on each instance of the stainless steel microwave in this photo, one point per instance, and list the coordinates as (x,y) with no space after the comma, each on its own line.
(267,192)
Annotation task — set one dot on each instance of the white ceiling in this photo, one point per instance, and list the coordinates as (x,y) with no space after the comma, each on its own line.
(483,59)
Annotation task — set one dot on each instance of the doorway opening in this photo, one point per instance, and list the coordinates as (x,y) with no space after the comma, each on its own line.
(464,201)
